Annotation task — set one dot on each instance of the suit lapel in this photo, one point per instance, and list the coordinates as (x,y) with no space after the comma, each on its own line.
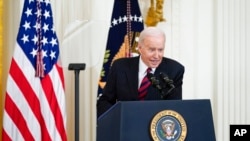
(132,75)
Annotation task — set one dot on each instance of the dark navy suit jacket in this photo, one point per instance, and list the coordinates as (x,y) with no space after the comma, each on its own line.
(122,82)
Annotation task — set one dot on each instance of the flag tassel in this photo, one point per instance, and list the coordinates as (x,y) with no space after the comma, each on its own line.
(39,65)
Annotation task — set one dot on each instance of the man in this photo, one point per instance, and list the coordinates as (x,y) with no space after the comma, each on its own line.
(127,74)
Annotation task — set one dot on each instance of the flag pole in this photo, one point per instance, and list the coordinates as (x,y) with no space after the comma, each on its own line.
(77,67)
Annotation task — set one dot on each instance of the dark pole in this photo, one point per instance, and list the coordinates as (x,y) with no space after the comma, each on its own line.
(77,67)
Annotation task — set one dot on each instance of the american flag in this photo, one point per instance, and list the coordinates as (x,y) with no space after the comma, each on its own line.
(35,107)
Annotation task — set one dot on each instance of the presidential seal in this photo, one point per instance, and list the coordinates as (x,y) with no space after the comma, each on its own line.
(168,125)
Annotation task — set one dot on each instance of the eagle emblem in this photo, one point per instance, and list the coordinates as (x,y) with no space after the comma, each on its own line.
(168,127)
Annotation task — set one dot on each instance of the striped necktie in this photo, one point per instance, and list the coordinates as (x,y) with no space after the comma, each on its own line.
(143,89)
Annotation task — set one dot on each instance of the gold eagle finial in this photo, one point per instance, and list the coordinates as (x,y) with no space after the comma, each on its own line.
(155,13)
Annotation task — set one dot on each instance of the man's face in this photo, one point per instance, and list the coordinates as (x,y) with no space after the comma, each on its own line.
(152,50)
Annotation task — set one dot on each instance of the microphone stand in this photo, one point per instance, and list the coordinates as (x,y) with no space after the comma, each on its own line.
(164,88)
(76,67)
(164,93)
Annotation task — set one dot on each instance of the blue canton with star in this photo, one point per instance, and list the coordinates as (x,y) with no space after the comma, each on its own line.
(28,35)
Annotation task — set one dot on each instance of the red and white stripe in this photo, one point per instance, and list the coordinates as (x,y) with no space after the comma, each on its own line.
(35,107)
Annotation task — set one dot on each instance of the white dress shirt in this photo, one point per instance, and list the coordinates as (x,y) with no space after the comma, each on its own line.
(142,71)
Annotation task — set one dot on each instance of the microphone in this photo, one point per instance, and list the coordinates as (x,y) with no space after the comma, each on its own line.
(168,83)
(155,82)
(167,80)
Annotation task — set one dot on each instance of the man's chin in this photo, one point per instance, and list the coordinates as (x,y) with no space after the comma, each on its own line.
(154,65)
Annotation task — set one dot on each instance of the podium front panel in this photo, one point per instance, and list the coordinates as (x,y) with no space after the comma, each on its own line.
(130,121)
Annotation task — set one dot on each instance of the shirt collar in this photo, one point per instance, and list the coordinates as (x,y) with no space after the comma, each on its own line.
(143,67)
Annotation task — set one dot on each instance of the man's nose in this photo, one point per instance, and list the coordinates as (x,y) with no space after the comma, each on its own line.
(157,54)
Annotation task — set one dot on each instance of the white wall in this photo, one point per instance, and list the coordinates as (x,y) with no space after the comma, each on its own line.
(209,37)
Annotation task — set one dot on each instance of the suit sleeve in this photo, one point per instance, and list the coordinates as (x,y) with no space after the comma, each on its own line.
(108,98)
(176,93)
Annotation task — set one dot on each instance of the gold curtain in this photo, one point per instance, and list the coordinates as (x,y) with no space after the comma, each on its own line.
(1,43)
(1,66)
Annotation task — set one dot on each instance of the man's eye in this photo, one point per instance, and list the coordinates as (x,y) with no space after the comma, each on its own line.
(151,49)
(160,50)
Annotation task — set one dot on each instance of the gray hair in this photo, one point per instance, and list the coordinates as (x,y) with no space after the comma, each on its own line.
(151,31)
